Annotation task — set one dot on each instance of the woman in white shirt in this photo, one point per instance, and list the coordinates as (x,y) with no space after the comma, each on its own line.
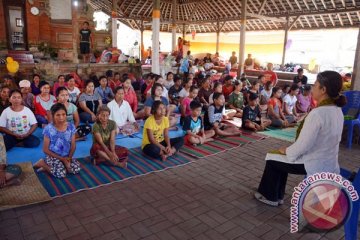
(289,101)
(317,143)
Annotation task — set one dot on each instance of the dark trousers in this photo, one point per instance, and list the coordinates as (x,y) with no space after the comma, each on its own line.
(41,120)
(273,181)
(29,142)
(85,117)
(153,150)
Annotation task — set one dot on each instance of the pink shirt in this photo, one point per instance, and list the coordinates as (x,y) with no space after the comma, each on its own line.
(131,98)
(304,103)
(186,101)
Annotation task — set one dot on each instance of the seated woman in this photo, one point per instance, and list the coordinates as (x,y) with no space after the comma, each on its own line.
(121,113)
(169,80)
(129,93)
(72,114)
(28,97)
(205,92)
(217,89)
(289,102)
(89,102)
(160,80)
(175,90)
(266,93)
(35,89)
(4,98)
(214,116)
(303,104)
(74,91)
(156,142)
(59,145)
(9,173)
(156,95)
(187,83)
(316,148)
(60,83)
(104,90)
(42,104)
(18,123)
(185,105)
(104,148)
(275,112)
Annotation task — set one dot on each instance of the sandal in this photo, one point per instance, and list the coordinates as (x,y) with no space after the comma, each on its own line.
(262,199)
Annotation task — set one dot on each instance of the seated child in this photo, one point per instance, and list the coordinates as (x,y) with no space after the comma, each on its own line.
(59,145)
(215,114)
(42,104)
(236,99)
(228,87)
(205,92)
(156,142)
(275,112)
(193,126)
(9,173)
(217,89)
(59,83)
(104,91)
(104,148)
(185,105)
(251,118)
(303,104)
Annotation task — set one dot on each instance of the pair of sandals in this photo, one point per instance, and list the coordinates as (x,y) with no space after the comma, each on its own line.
(262,199)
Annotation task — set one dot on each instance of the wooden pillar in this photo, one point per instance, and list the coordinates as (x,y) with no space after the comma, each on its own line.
(75,33)
(285,41)
(217,36)
(184,31)
(114,25)
(155,66)
(242,38)
(174,25)
(142,40)
(355,82)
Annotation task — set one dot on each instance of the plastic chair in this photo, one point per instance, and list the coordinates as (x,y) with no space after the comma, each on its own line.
(351,225)
(351,109)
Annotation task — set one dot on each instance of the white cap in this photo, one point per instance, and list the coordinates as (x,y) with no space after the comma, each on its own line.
(24,83)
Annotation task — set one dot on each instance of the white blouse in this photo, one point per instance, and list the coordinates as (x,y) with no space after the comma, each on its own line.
(318,144)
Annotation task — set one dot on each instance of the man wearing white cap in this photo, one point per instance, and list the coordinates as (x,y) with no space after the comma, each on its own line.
(28,97)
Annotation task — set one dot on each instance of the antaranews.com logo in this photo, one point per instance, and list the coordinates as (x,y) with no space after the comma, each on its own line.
(322,202)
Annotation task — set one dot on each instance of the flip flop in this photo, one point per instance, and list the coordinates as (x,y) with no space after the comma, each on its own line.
(262,199)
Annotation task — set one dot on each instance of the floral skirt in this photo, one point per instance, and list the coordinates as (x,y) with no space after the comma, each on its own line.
(58,169)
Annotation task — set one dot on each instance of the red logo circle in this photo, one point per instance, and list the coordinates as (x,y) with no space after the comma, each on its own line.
(325,206)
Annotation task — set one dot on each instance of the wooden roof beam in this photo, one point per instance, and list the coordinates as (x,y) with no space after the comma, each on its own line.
(262,6)
(333,3)
(340,19)
(193,11)
(323,3)
(323,21)
(332,20)
(315,5)
(350,18)
(275,5)
(306,4)
(290,5)
(318,12)
(315,21)
(293,22)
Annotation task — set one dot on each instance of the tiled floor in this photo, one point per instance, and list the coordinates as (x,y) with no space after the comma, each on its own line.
(209,199)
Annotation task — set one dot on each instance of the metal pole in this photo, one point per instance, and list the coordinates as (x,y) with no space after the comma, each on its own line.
(174,25)
(285,41)
(242,38)
(155,66)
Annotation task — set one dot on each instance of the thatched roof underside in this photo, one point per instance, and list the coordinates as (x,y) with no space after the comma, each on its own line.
(224,15)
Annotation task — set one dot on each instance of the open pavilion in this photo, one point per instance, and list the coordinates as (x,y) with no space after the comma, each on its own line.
(211,198)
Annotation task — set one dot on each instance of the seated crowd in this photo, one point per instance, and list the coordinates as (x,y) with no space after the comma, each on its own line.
(112,103)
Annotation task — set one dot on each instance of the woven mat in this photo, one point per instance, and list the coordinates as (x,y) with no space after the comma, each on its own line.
(30,191)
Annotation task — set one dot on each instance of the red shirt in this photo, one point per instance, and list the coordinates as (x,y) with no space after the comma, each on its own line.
(227,90)
(113,84)
(270,76)
(131,98)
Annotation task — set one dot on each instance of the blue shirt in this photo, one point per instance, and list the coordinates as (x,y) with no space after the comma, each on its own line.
(150,101)
(60,142)
(106,95)
(193,126)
